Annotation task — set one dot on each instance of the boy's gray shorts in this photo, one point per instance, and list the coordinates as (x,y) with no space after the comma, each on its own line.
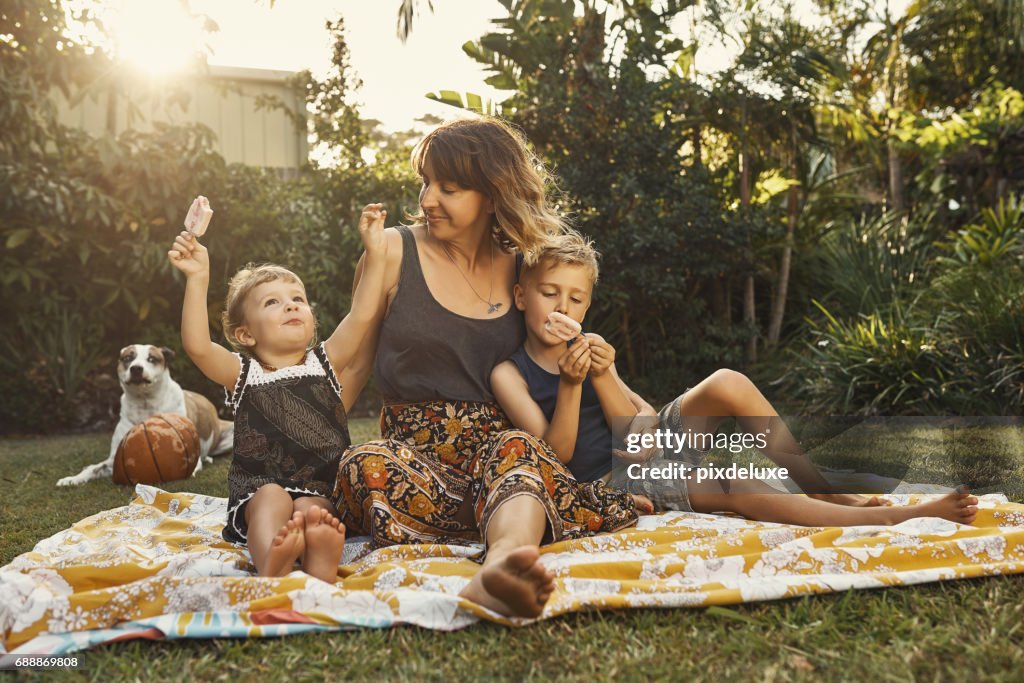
(666,494)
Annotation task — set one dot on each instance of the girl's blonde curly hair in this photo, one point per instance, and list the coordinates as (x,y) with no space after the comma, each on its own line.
(490,156)
(242,283)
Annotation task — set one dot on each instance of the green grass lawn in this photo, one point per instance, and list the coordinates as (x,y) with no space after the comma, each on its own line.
(954,630)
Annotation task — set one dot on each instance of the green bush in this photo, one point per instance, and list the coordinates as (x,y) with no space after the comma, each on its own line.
(949,342)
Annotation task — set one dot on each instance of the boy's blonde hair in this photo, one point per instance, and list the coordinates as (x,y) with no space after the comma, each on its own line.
(568,248)
(240,286)
(490,156)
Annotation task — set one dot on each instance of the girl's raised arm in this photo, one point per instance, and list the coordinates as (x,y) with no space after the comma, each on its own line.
(216,362)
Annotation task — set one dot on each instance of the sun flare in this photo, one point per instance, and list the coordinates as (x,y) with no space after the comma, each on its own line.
(157,37)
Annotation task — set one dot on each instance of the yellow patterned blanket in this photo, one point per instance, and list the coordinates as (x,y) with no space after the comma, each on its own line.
(158,568)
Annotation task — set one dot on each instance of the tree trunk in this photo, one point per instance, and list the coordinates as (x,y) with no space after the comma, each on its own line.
(782,288)
(627,344)
(749,311)
(895,177)
(750,317)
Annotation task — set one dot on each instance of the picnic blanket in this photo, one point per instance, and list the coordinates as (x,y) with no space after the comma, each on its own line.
(158,568)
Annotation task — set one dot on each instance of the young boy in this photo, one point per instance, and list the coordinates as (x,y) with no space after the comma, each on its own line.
(565,392)
(568,393)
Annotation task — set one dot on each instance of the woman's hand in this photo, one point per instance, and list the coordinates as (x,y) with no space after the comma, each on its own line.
(575,363)
(189,256)
(371,229)
(602,354)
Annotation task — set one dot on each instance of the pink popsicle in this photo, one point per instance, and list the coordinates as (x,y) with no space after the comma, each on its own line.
(562,326)
(199,215)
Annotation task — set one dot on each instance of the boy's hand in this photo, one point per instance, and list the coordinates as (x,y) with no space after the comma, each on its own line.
(371,228)
(575,363)
(602,354)
(189,256)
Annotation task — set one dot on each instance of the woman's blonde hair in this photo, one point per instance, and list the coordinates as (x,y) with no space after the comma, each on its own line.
(241,284)
(490,156)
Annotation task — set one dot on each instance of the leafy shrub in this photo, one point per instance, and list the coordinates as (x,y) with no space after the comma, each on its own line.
(950,344)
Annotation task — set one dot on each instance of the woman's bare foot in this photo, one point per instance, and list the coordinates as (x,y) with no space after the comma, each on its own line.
(516,585)
(325,539)
(851,499)
(643,504)
(959,506)
(285,549)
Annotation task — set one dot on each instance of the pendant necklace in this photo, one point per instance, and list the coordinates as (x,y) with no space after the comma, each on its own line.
(491,307)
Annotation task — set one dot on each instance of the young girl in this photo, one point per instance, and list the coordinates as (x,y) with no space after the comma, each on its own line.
(290,423)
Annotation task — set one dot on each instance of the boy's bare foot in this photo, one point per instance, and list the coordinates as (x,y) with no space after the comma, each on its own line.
(516,585)
(643,504)
(325,539)
(285,549)
(851,499)
(960,507)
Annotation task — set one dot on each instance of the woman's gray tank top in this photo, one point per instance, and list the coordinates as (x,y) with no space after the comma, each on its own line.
(426,352)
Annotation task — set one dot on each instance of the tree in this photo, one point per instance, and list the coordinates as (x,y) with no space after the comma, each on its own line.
(787,58)
(598,93)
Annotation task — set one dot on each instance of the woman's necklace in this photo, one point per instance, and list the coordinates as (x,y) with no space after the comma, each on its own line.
(491,307)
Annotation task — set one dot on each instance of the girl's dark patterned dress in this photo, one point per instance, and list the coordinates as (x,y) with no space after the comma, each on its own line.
(290,430)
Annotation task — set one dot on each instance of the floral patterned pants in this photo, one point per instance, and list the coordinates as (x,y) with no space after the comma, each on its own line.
(443,469)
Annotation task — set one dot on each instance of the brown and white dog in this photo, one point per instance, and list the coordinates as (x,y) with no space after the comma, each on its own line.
(148,390)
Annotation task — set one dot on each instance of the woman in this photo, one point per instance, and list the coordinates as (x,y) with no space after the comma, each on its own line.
(449,467)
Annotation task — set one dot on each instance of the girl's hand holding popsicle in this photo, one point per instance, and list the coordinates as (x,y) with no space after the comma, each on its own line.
(187,254)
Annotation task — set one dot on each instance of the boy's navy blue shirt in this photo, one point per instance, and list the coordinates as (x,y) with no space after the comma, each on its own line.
(592,458)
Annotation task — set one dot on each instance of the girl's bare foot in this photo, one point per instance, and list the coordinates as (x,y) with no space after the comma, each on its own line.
(516,585)
(325,539)
(285,549)
(643,504)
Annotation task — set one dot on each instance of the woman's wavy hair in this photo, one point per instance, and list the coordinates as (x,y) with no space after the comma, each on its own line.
(241,284)
(488,155)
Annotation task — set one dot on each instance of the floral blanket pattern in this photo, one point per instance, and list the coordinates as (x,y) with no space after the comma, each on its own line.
(158,568)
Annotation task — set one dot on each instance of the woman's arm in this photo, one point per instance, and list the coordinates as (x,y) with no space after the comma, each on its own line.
(368,298)
(354,375)
(216,362)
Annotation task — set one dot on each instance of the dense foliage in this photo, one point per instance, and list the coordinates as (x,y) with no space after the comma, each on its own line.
(840,206)
(804,200)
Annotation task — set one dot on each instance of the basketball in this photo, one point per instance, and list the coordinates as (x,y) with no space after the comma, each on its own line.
(162,448)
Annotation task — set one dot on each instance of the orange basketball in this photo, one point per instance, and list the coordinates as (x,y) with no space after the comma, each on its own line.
(162,448)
